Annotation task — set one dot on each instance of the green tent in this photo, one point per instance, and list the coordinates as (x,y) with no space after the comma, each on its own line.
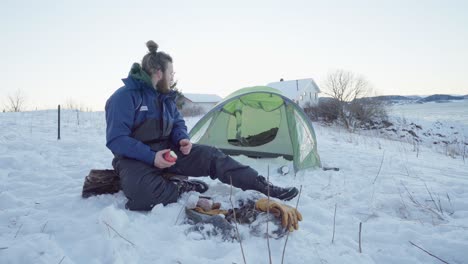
(259,122)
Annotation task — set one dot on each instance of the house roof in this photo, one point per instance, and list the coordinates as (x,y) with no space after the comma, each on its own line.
(293,88)
(203,98)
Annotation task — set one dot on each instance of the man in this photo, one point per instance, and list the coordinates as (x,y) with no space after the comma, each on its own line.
(143,124)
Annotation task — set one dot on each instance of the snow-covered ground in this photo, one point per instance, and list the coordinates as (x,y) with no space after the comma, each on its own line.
(446,137)
(452,111)
(401,196)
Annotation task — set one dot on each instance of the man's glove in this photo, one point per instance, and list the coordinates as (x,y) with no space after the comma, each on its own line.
(289,216)
(211,211)
(206,206)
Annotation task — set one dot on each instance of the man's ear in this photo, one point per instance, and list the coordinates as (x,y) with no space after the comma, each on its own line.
(159,74)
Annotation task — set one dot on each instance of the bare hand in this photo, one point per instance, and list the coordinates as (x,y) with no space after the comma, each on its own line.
(185,146)
(160,162)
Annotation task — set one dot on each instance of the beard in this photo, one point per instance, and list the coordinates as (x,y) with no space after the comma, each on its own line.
(163,86)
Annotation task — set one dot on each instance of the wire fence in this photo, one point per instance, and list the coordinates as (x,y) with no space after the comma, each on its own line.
(45,124)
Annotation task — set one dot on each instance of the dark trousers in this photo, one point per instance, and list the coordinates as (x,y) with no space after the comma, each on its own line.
(145,187)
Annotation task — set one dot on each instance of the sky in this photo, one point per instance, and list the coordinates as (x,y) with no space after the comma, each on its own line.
(55,52)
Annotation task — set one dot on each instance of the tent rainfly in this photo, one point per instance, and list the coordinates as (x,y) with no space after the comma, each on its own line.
(259,122)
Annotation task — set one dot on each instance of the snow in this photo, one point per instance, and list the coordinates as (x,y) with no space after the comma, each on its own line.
(453,111)
(398,194)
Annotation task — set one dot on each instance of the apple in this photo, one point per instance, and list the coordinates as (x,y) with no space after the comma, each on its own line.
(170,156)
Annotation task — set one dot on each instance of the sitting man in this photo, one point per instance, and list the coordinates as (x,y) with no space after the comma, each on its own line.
(143,124)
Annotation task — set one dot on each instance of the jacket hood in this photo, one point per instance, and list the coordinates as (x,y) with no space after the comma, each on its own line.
(137,73)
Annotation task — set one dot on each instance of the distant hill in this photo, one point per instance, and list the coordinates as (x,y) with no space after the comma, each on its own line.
(392,98)
(414,97)
(407,99)
(440,98)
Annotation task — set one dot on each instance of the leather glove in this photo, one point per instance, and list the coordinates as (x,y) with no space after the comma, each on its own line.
(289,216)
(206,206)
(211,211)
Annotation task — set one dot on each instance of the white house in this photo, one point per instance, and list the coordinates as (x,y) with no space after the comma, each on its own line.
(206,101)
(301,91)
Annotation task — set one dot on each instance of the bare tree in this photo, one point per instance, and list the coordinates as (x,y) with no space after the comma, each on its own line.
(347,91)
(16,102)
(71,104)
(346,86)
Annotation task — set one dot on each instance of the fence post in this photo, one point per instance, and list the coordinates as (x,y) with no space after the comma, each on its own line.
(58,127)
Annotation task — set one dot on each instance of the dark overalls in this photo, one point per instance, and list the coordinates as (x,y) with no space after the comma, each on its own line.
(145,187)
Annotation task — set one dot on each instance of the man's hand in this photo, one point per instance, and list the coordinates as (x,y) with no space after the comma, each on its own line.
(185,146)
(160,162)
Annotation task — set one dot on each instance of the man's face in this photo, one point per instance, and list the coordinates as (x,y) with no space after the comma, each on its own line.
(164,85)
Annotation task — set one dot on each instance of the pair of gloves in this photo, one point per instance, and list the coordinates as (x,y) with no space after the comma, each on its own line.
(289,216)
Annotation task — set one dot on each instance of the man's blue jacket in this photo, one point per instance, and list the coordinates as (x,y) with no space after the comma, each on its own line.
(135,105)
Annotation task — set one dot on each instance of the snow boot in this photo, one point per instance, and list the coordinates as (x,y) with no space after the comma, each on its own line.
(189,185)
(281,193)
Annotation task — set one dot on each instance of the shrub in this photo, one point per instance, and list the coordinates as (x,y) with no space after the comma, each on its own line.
(194,110)
(326,110)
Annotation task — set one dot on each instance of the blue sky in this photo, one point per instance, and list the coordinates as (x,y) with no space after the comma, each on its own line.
(54,51)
